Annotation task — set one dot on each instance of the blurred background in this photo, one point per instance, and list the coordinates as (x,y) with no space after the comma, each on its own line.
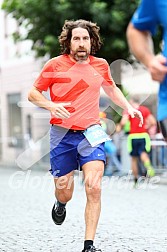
(28,38)
(132,220)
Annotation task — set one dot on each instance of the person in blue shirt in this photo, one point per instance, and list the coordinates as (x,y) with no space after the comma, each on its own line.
(143,25)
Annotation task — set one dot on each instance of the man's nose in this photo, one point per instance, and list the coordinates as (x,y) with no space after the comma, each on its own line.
(81,42)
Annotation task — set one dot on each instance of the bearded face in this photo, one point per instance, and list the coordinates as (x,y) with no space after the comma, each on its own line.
(80,44)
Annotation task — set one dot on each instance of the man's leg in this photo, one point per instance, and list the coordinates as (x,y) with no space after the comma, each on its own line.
(93,172)
(64,187)
(147,164)
(134,167)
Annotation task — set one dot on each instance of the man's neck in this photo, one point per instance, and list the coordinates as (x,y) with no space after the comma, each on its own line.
(82,61)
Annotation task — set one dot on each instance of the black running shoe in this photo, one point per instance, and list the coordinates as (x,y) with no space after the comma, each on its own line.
(58,214)
(91,249)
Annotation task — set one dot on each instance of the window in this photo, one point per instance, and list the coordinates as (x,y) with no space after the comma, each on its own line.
(15,120)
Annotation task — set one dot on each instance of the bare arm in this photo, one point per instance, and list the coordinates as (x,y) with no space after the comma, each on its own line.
(123,121)
(119,99)
(57,109)
(151,121)
(141,45)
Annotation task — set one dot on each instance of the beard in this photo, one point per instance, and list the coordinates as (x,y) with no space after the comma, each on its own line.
(80,54)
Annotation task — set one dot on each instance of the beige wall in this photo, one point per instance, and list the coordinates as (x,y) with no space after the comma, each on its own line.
(18,78)
(18,70)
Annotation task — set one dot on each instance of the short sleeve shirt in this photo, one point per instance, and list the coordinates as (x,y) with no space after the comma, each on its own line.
(77,83)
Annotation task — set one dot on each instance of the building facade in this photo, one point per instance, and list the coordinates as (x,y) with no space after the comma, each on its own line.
(20,121)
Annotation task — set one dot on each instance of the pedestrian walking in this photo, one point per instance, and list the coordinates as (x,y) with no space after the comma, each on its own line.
(77,140)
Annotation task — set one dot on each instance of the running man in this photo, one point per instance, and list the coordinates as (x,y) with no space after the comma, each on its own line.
(76,138)
(139,144)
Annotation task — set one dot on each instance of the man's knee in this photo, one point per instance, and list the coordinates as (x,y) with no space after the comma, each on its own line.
(63,195)
(93,191)
(64,187)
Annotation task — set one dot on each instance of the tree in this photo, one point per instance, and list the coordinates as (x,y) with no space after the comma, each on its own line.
(44,19)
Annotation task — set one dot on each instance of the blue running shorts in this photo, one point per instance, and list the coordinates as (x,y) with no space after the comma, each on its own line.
(70,150)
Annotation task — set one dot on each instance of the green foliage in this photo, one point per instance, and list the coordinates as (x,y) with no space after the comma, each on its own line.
(44,19)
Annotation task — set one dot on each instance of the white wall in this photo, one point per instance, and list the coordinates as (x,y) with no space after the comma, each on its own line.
(8,49)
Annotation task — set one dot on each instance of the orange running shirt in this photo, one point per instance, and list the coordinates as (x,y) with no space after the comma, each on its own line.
(78,83)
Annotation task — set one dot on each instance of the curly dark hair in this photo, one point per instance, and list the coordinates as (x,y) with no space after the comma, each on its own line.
(66,34)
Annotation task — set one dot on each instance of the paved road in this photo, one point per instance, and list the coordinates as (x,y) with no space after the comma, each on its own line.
(131,219)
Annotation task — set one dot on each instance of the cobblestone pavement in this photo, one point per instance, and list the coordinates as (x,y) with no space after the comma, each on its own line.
(131,219)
